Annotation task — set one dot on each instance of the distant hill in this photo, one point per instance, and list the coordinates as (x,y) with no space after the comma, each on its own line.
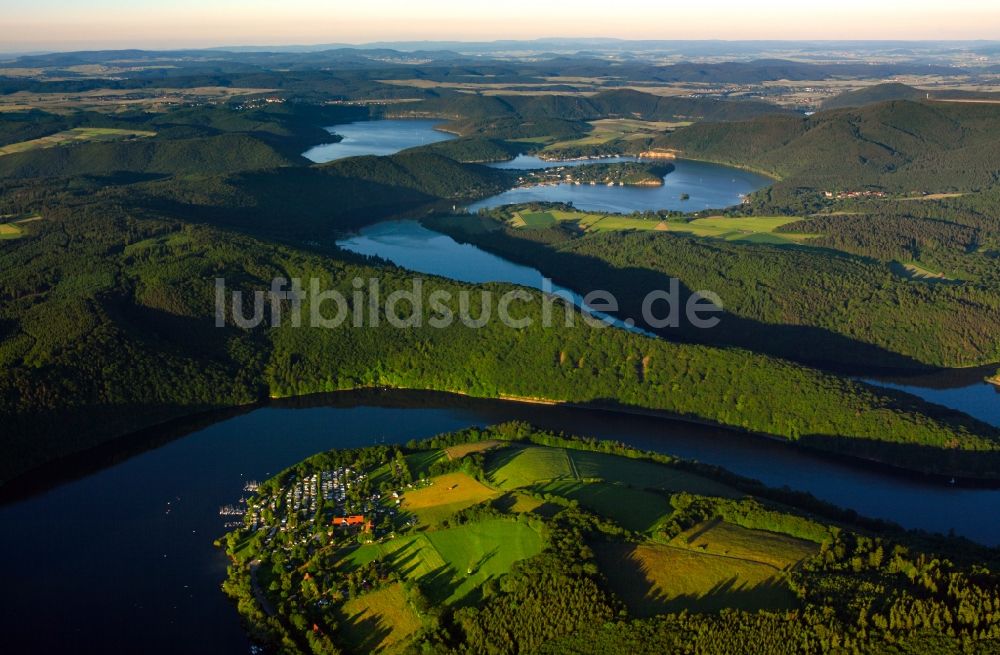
(310,202)
(215,154)
(898,146)
(622,103)
(872,94)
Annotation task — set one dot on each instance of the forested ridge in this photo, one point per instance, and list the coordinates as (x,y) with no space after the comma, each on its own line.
(827,308)
(899,146)
(108,327)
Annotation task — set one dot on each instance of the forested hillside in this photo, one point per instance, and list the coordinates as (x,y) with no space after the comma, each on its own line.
(817,307)
(897,146)
(108,327)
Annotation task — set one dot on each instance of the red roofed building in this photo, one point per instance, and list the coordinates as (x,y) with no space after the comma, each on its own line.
(351,521)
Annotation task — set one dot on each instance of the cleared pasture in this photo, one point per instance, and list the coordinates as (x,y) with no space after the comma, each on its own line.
(461,450)
(718,537)
(75,135)
(446,495)
(654,578)
(632,508)
(452,563)
(753,229)
(379,622)
(513,468)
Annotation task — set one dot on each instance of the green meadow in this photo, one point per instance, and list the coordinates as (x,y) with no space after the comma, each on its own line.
(75,135)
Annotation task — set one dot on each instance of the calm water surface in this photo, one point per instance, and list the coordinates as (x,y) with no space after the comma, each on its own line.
(410,245)
(376,138)
(708,185)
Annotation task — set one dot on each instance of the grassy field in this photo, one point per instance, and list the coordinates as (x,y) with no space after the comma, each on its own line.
(656,578)
(632,508)
(447,494)
(755,229)
(644,475)
(914,271)
(527,466)
(513,468)
(15,229)
(461,450)
(720,538)
(421,462)
(454,562)
(611,129)
(75,135)
(379,621)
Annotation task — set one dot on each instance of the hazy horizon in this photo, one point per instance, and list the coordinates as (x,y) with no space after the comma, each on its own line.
(60,25)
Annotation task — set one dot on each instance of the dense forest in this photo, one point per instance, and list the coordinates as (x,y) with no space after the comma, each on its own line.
(899,146)
(795,303)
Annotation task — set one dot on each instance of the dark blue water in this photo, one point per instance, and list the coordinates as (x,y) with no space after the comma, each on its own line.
(975,397)
(709,186)
(376,138)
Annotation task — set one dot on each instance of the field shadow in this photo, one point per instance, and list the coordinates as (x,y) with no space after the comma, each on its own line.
(805,344)
(628,576)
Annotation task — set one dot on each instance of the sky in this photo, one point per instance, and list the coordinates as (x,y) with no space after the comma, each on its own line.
(27,25)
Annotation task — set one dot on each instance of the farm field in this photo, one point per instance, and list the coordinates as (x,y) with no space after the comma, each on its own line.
(526,466)
(750,229)
(421,462)
(461,450)
(114,100)
(446,495)
(632,508)
(756,229)
(586,221)
(514,468)
(452,563)
(641,474)
(610,129)
(14,229)
(718,537)
(656,578)
(75,135)
(379,621)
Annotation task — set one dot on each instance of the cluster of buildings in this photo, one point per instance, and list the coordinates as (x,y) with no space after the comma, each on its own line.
(848,195)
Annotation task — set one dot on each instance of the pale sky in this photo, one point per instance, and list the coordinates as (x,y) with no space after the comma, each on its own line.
(76,24)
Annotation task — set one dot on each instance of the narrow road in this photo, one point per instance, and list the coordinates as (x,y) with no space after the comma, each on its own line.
(258,593)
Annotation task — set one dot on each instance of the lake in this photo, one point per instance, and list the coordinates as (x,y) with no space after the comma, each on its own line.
(376,138)
(412,246)
(709,186)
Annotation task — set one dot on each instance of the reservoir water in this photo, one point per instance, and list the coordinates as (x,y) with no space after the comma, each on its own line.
(376,138)
(708,186)
(412,246)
